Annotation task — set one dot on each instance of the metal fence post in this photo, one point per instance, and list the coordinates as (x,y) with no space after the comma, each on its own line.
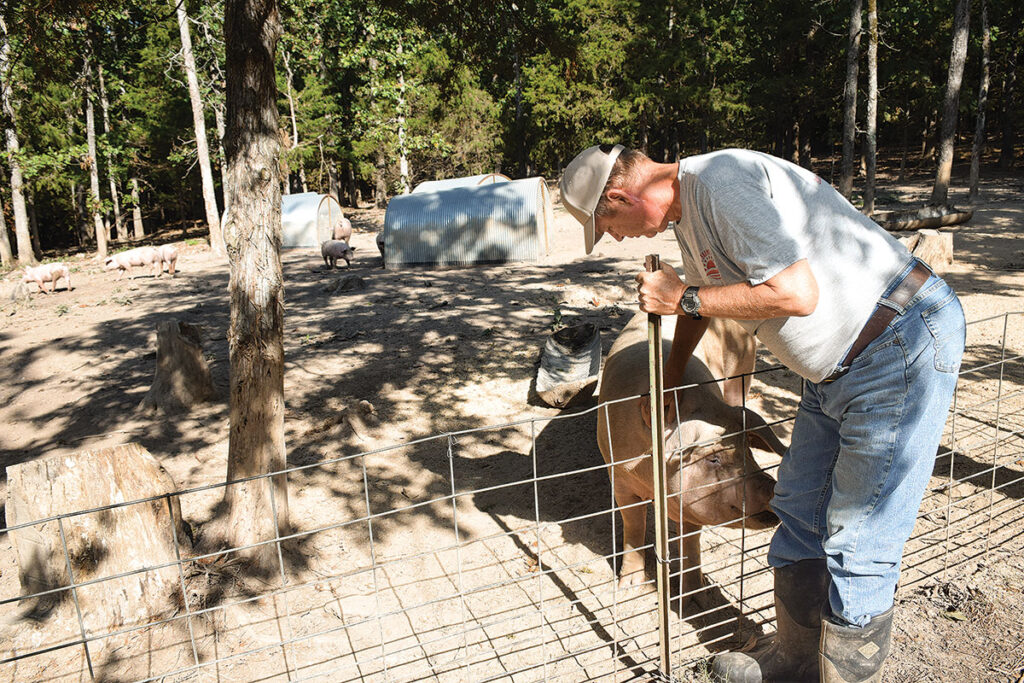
(653,263)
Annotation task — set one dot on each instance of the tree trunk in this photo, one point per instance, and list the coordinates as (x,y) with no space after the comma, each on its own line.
(380,194)
(979,129)
(105,106)
(291,112)
(850,100)
(403,156)
(951,103)
(6,255)
(182,377)
(26,256)
(33,221)
(351,189)
(137,210)
(94,178)
(871,122)
(253,236)
(218,116)
(1009,132)
(199,122)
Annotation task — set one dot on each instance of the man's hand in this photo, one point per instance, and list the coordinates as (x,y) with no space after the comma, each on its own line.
(659,292)
(670,410)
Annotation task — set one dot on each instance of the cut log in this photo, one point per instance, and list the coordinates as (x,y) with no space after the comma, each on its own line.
(934,248)
(182,376)
(925,217)
(570,365)
(99,544)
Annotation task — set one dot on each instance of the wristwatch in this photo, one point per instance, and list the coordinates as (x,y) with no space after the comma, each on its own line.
(690,302)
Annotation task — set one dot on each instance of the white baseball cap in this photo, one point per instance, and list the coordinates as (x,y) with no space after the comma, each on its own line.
(583,183)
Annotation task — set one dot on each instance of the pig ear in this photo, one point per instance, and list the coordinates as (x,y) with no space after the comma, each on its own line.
(760,434)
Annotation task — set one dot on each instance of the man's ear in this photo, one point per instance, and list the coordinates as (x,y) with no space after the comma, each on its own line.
(617,194)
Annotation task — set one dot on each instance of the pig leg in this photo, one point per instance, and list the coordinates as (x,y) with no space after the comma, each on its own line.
(693,577)
(634,526)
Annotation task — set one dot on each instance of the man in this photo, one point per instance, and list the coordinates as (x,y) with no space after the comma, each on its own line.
(877,337)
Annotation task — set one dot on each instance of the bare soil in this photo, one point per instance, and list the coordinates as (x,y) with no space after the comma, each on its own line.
(492,546)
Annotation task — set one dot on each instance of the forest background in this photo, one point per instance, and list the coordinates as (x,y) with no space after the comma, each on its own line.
(375,96)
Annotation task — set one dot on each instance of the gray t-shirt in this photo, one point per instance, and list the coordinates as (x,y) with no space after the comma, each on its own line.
(746,216)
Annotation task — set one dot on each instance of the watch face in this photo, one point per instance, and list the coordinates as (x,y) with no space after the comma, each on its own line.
(690,302)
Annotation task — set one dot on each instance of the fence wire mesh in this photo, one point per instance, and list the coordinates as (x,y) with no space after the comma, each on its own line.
(480,555)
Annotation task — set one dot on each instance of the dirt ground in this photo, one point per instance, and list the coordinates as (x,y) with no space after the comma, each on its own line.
(487,555)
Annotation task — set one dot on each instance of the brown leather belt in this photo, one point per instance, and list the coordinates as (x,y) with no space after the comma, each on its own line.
(883,314)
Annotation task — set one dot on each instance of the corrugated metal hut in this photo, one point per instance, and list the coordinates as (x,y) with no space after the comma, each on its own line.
(308,218)
(468,181)
(490,223)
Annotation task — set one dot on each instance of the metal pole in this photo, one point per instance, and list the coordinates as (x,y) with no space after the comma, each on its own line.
(653,263)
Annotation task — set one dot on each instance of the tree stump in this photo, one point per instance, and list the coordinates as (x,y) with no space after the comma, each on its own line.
(934,248)
(182,376)
(99,544)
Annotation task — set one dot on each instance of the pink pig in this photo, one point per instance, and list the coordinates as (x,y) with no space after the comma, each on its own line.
(169,255)
(48,272)
(140,256)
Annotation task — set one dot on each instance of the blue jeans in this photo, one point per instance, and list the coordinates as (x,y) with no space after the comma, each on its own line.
(862,452)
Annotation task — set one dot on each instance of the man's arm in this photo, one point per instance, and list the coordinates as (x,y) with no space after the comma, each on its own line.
(688,334)
(790,292)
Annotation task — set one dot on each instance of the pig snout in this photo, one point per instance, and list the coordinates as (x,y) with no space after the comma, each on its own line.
(722,485)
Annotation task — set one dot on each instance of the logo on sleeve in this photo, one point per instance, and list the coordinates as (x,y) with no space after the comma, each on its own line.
(710,269)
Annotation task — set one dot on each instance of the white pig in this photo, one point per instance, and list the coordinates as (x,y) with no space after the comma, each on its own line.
(140,256)
(332,250)
(48,272)
(343,230)
(169,255)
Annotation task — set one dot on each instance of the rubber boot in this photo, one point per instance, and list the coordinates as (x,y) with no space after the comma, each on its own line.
(801,590)
(855,655)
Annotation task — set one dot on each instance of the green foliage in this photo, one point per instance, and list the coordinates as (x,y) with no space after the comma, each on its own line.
(458,89)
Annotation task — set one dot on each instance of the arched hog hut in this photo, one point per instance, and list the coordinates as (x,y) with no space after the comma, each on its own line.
(308,218)
(489,223)
(468,181)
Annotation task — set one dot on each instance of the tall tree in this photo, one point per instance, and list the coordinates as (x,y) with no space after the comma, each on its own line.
(850,99)
(6,255)
(96,203)
(139,231)
(951,102)
(199,123)
(979,127)
(253,237)
(21,227)
(111,175)
(871,117)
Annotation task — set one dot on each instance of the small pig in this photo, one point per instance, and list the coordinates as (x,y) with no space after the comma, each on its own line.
(711,478)
(332,250)
(380,243)
(168,255)
(140,256)
(48,272)
(343,230)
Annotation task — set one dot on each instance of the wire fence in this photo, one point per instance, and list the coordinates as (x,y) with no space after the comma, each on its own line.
(478,555)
